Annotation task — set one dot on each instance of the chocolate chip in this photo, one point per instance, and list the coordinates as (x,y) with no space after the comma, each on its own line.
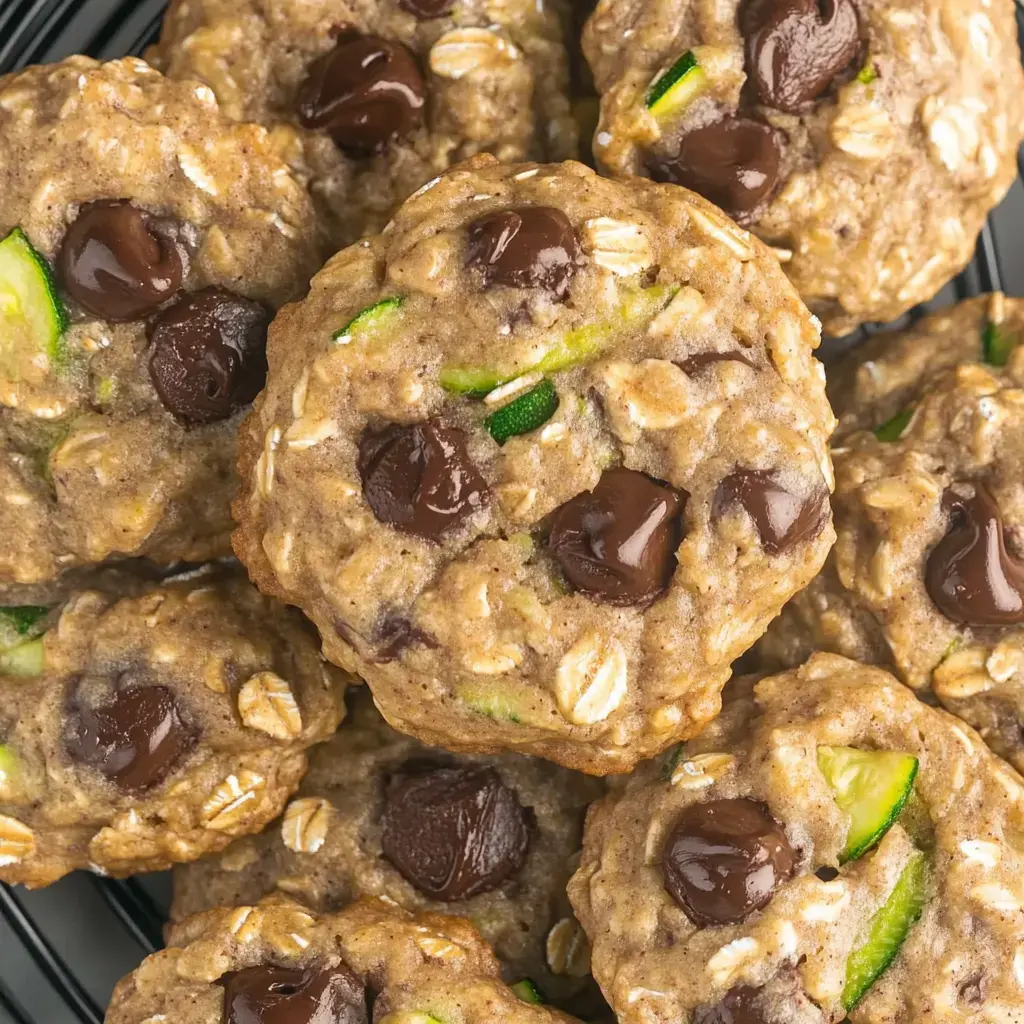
(617,543)
(293,995)
(532,247)
(969,574)
(734,162)
(420,478)
(396,634)
(694,364)
(740,1005)
(424,10)
(208,354)
(724,859)
(782,519)
(135,738)
(366,92)
(827,873)
(120,263)
(454,832)
(796,48)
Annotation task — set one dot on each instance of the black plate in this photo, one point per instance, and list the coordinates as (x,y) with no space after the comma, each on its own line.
(63,948)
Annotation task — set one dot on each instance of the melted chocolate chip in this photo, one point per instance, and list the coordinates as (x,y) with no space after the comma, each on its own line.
(694,364)
(396,634)
(740,1005)
(532,247)
(796,48)
(782,519)
(617,543)
(969,574)
(734,162)
(420,478)
(293,995)
(135,739)
(826,873)
(208,354)
(120,263)
(365,92)
(725,859)
(424,10)
(454,832)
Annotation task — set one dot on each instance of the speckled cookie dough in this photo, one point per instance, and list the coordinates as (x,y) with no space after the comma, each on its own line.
(278,962)
(145,241)
(383,94)
(147,730)
(928,571)
(865,139)
(829,847)
(493,839)
(541,461)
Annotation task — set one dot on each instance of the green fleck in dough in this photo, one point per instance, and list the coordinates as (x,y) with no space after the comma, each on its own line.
(526,990)
(996,345)
(892,429)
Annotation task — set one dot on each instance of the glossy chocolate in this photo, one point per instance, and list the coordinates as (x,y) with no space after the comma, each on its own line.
(268,994)
(208,354)
(740,1005)
(970,575)
(617,543)
(454,833)
(724,859)
(420,478)
(120,263)
(782,519)
(365,93)
(136,738)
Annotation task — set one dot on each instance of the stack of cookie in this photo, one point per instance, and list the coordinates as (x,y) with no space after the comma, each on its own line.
(523,470)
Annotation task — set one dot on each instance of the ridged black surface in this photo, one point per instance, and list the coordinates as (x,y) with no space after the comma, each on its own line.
(62,949)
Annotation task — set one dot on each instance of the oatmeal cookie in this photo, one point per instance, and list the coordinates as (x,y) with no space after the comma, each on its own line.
(492,839)
(541,461)
(145,241)
(277,961)
(927,575)
(866,140)
(140,731)
(375,98)
(829,847)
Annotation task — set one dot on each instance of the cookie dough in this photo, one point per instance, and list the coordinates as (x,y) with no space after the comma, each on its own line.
(144,241)
(541,461)
(277,961)
(374,99)
(829,847)
(492,839)
(140,731)
(927,575)
(865,141)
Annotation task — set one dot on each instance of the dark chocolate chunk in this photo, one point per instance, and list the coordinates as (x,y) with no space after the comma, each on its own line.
(208,354)
(740,1005)
(617,543)
(420,478)
(454,832)
(293,995)
(724,859)
(969,574)
(120,263)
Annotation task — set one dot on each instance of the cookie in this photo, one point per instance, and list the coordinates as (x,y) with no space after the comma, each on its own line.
(927,575)
(829,847)
(277,961)
(491,839)
(866,142)
(144,242)
(541,461)
(147,729)
(383,95)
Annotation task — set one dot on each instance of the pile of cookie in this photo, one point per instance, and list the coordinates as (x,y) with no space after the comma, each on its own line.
(445,554)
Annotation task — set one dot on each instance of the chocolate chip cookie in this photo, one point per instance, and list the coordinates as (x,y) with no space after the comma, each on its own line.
(374,99)
(140,731)
(541,461)
(492,839)
(830,847)
(144,241)
(866,142)
(928,573)
(278,962)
